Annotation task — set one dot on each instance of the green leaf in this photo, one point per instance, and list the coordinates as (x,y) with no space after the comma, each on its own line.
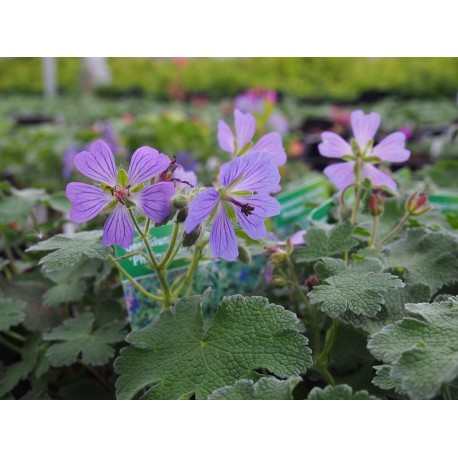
(266,388)
(176,356)
(320,244)
(393,308)
(64,293)
(59,202)
(422,349)
(16,372)
(79,338)
(383,379)
(427,257)
(69,249)
(339,392)
(12,312)
(356,288)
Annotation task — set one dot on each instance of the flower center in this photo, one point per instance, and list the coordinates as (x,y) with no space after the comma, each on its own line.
(121,193)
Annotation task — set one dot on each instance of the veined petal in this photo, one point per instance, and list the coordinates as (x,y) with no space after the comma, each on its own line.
(342,175)
(264,206)
(364,126)
(225,137)
(271,144)
(118,228)
(185,179)
(154,200)
(223,242)
(378,178)
(200,208)
(245,127)
(253,172)
(333,145)
(87,201)
(98,163)
(146,163)
(392,148)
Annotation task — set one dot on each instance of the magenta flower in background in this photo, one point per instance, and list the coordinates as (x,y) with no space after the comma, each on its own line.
(390,149)
(255,99)
(242,195)
(119,191)
(241,143)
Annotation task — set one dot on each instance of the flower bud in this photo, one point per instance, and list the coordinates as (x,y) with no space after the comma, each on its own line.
(278,281)
(416,204)
(375,205)
(182,215)
(191,238)
(179,201)
(311,282)
(244,255)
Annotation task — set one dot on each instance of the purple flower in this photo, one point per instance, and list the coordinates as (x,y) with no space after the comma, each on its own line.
(242,195)
(184,179)
(240,143)
(67,161)
(254,100)
(278,122)
(118,191)
(361,151)
(187,161)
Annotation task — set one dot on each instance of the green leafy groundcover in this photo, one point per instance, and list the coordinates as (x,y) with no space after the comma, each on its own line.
(420,352)
(177,357)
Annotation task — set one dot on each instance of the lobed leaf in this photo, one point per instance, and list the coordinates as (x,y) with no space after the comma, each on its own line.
(176,357)
(68,250)
(356,288)
(321,244)
(267,388)
(426,257)
(339,392)
(421,350)
(78,337)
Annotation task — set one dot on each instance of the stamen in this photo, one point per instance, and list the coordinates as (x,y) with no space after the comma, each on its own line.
(247,209)
(166,175)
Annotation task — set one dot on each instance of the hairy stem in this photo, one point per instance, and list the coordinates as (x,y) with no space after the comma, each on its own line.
(374,232)
(399,226)
(133,281)
(446,392)
(322,360)
(168,253)
(189,274)
(154,263)
(6,343)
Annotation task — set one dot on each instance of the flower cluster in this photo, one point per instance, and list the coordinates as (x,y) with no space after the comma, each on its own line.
(241,196)
(361,155)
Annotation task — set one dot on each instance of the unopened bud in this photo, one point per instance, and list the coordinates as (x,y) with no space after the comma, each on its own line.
(191,238)
(375,205)
(311,282)
(244,255)
(416,204)
(278,281)
(179,201)
(182,215)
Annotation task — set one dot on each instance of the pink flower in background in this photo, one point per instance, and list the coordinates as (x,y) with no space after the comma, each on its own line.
(390,149)
(241,143)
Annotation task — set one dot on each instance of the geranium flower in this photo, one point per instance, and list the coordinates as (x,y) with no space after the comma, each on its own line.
(241,143)
(119,190)
(390,149)
(242,195)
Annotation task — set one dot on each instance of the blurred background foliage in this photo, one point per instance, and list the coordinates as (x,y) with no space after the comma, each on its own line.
(336,79)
